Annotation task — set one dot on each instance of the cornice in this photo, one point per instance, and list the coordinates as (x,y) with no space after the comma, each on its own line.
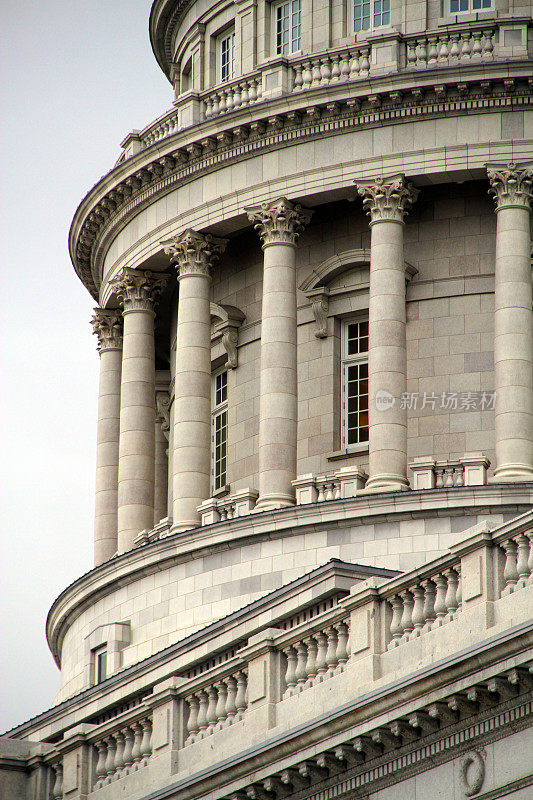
(135,183)
(164,16)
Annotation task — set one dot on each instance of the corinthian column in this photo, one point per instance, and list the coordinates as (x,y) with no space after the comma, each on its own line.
(387,200)
(107,325)
(513,325)
(279,225)
(138,293)
(193,255)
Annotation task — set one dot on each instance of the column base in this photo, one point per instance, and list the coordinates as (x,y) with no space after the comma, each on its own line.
(271,502)
(512,473)
(187,525)
(385,483)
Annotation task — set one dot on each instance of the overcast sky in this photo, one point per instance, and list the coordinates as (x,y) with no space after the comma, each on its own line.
(76,76)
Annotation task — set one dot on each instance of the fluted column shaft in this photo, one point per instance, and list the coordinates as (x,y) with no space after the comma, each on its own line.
(279,225)
(138,293)
(107,325)
(194,255)
(387,201)
(512,188)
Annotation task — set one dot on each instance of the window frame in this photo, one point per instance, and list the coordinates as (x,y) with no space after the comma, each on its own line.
(470,7)
(98,652)
(219,411)
(292,41)
(227,35)
(348,360)
(372,15)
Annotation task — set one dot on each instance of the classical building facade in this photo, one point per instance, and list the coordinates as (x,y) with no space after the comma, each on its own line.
(314,489)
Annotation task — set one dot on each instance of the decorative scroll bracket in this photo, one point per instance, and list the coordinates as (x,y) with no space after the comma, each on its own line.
(225,324)
(319,298)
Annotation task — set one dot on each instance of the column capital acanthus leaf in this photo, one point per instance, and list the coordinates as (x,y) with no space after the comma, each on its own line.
(194,253)
(511,185)
(107,325)
(279,221)
(138,290)
(162,410)
(387,199)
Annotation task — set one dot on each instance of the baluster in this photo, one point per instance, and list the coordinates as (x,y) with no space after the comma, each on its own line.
(325,71)
(422,52)
(146,744)
(252,91)
(221,102)
(231,708)
(448,477)
(459,475)
(57,791)
(298,78)
(477,48)
(290,674)
(331,653)
(128,750)
(364,64)
(411,53)
(320,485)
(240,700)
(335,68)
(216,105)
(237,100)
(316,74)
(211,708)
(230,99)
(488,44)
(119,753)
(407,616)
(259,87)
(110,760)
(321,663)
(396,626)
(192,721)
(136,752)
(465,45)
(342,645)
(208,103)
(454,46)
(451,594)
(510,574)
(459,589)
(202,713)
(301,671)
(245,99)
(432,50)
(439,477)
(337,490)
(220,712)
(443,49)
(440,605)
(100,769)
(429,603)
(355,66)
(307,75)
(522,567)
(345,67)
(418,617)
(329,491)
(529,535)
(310,667)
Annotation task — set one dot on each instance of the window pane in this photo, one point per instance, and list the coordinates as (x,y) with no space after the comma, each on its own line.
(101,666)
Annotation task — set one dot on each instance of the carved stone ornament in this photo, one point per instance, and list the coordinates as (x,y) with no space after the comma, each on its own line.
(320,304)
(108,327)
(162,410)
(471,772)
(194,253)
(511,185)
(227,321)
(279,222)
(387,199)
(137,290)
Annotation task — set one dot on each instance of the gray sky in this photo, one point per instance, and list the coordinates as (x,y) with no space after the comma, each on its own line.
(76,76)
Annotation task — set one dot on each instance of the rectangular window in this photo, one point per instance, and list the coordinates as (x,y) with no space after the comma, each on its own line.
(226,57)
(220,429)
(370,14)
(100,665)
(354,378)
(458,6)
(287,27)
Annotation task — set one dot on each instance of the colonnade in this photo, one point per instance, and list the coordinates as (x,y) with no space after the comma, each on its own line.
(126,491)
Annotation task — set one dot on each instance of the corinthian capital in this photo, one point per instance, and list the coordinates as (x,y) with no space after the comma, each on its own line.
(194,253)
(279,222)
(138,291)
(107,326)
(387,199)
(511,185)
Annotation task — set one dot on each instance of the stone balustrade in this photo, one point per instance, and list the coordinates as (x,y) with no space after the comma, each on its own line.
(239,504)
(461,44)
(334,67)
(518,569)
(124,750)
(316,655)
(231,96)
(216,705)
(470,470)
